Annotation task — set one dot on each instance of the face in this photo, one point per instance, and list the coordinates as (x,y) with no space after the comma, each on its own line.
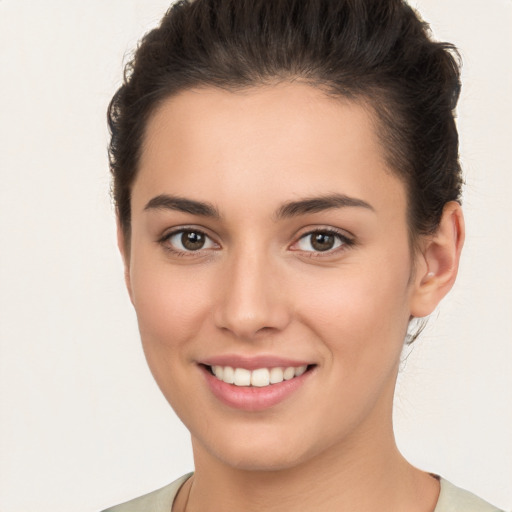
(270,247)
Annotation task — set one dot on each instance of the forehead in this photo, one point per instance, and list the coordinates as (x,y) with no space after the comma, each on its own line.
(270,140)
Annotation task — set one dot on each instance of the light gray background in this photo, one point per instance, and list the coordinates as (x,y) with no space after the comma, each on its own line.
(82,424)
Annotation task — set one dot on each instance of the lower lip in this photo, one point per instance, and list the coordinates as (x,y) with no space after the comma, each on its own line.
(252,398)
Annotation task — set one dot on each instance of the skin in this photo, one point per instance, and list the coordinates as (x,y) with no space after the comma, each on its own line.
(259,287)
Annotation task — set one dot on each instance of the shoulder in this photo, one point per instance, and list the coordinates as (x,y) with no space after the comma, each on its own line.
(160,500)
(454,499)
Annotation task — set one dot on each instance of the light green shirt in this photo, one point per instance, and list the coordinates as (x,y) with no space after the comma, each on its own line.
(451,499)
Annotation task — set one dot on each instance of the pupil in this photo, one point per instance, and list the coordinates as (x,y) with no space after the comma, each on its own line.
(322,241)
(192,240)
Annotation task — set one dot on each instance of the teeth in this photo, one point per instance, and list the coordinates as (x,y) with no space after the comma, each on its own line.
(276,375)
(242,377)
(228,375)
(258,378)
(300,370)
(218,371)
(289,373)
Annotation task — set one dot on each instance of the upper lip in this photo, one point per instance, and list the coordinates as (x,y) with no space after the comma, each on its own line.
(254,362)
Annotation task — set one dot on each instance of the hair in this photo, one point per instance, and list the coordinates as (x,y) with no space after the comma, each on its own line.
(378,52)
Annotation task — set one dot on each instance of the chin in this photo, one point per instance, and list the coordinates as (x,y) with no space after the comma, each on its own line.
(264,450)
(259,460)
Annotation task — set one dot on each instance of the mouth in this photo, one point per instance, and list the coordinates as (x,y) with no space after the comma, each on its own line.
(255,383)
(259,377)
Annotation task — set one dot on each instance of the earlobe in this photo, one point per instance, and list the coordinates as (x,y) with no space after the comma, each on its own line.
(123,249)
(440,258)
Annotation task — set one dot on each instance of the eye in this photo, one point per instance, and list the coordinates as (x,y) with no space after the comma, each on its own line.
(188,240)
(322,241)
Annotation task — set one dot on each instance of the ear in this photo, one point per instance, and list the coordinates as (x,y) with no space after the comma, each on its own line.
(437,262)
(124,249)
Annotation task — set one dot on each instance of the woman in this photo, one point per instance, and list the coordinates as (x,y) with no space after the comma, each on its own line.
(287,187)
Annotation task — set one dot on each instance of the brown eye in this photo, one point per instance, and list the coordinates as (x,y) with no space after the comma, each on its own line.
(188,240)
(321,241)
(192,240)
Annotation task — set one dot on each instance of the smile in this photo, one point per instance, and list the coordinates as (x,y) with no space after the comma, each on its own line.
(260,377)
(255,384)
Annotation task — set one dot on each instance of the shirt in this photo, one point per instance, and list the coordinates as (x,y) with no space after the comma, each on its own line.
(451,499)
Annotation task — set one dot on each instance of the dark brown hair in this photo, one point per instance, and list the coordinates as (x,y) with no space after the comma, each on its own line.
(375,51)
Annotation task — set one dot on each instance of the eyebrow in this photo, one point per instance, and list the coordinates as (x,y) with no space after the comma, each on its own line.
(289,209)
(181,204)
(319,204)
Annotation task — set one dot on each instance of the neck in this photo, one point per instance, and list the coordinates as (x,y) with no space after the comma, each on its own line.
(363,473)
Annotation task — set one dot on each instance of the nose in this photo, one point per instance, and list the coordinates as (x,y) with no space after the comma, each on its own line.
(251,299)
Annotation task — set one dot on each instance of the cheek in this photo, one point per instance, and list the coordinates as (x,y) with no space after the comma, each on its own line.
(362,312)
(170,305)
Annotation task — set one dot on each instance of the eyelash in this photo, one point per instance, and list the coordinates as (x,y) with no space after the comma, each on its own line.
(344,242)
(165,242)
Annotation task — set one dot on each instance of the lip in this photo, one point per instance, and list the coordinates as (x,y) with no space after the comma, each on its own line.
(254,362)
(252,398)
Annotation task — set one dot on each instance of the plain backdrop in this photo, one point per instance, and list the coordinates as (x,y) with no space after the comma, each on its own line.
(82,425)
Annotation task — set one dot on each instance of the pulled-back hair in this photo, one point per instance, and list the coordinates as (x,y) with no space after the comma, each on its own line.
(373,51)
